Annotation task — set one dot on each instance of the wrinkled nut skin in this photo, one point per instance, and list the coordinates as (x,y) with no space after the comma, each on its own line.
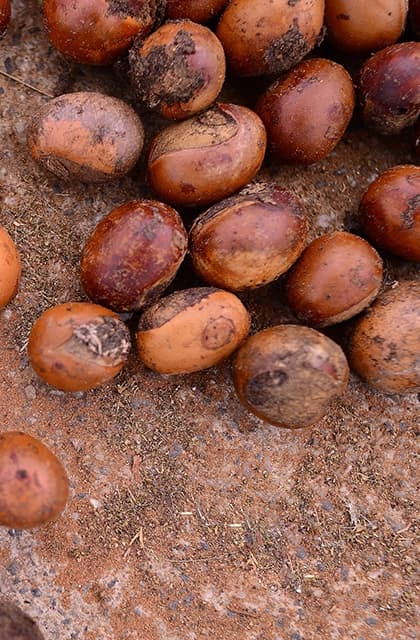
(336,277)
(384,349)
(191,330)
(390,211)
(248,240)
(288,375)
(359,27)
(307,112)
(78,346)
(5,13)
(269,37)
(15,624)
(33,484)
(200,11)
(99,31)
(133,254)
(208,157)
(10,268)
(178,70)
(86,135)
(389,88)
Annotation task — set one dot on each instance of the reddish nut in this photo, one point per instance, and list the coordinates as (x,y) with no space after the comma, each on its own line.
(389,88)
(10,268)
(307,112)
(133,254)
(5,13)
(197,10)
(288,375)
(390,211)
(414,16)
(336,277)
(191,330)
(99,31)
(178,70)
(357,26)
(384,348)
(250,239)
(87,136)
(208,157)
(16,624)
(269,37)
(33,484)
(78,346)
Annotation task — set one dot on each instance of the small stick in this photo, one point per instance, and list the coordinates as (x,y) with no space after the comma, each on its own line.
(25,84)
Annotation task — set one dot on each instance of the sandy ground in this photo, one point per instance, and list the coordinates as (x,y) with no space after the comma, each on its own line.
(190,519)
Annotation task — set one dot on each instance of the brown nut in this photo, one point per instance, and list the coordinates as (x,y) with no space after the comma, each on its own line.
(99,31)
(133,254)
(390,211)
(357,26)
(269,37)
(384,348)
(178,70)
(33,484)
(10,268)
(197,10)
(16,625)
(389,88)
(191,330)
(5,12)
(307,112)
(336,277)
(88,136)
(288,375)
(78,346)
(208,157)
(250,239)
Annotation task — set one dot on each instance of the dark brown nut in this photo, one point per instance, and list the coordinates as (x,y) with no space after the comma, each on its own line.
(133,254)
(414,16)
(390,211)
(87,136)
(178,70)
(389,88)
(99,31)
(78,346)
(5,12)
(250,239)
(191,330)
(269,37)
(289,375)
(384,348)
(10,268)
(307,112)
(337,276)
(208,157)
(33,484)
(16,625)
(359,27)
(197,10)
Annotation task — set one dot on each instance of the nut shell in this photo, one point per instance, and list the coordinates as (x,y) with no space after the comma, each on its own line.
(337,276)
(33,484)
(133,254)
(384,348)
(16,625)
(10,268)
(390,211)
(86,135)
(5,13)
(208,157)
(191,330)
(288,375)
(248,240)
(197,10)
(78,346)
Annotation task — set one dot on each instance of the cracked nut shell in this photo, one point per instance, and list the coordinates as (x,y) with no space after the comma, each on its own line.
(288,375)
(197,10)
(133,254)
(10,268)
(86,135)
(33,484)
(191,330)
(77,346)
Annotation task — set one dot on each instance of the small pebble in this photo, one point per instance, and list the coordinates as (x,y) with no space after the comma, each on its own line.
(30,392)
